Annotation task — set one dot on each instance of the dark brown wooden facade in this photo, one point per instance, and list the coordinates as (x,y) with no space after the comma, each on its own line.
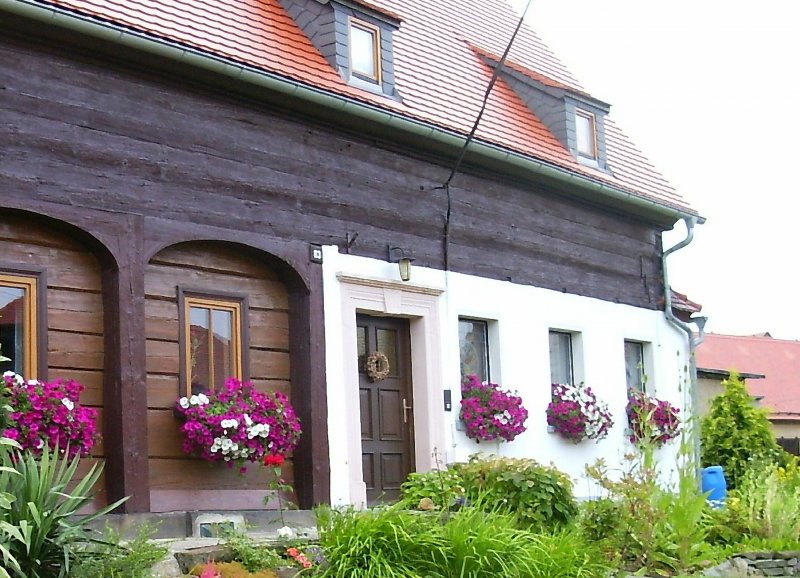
(151,180)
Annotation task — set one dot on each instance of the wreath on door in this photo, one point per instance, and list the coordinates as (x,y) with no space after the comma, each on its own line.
(377,366)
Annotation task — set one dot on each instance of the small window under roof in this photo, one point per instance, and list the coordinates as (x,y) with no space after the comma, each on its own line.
(365,42)
(586,134)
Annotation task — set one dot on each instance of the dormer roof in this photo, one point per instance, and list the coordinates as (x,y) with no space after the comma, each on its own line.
(439,73)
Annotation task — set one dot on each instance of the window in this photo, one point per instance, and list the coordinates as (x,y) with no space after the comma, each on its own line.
(213,342)
(473,339)
(365,44)
(634,365)
(586,133)
(18,324)
(561,366)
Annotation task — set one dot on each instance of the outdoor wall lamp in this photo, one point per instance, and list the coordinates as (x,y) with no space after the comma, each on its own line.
(398,255)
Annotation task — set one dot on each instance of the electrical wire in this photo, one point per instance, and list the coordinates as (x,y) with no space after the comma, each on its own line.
(471,136)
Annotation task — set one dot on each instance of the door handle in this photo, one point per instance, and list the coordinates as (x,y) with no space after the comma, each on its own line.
(406,409)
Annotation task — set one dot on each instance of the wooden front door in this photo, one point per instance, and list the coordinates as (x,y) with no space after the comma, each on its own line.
(387,421)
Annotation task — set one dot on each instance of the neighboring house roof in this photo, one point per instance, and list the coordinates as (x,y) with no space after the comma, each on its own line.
(440,77)
(777,359)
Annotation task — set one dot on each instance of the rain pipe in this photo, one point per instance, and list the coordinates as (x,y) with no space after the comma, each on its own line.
(84,24)
(694,340)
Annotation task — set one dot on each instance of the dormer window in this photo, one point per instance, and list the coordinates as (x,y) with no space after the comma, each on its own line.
(365,43)
(586,134)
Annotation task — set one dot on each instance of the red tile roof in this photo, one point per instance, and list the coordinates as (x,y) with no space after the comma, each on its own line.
(777,359)
(440,78)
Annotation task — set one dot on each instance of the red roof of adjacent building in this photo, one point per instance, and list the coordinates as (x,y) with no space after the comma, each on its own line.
(439,76)
(777,359)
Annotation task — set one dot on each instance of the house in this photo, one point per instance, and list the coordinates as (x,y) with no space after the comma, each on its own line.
(267,163)
(770,366)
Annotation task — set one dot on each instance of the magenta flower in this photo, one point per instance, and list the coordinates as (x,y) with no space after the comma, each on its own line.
(650,418)
(490,413)
(576,413)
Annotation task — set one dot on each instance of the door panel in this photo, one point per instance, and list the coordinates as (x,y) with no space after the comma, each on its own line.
(387,440)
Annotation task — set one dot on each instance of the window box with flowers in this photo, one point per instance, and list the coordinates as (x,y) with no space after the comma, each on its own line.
(651,420)
(576,414)
(490,413)
(48,414)
(238,424)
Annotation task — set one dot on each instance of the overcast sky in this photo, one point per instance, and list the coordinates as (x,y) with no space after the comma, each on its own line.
(709,90)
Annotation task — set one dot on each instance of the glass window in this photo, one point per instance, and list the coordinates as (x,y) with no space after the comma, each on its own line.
(365,50)
(18,324)
(213,341)
(634,365)
(473,338)
(561,358)
(585,132)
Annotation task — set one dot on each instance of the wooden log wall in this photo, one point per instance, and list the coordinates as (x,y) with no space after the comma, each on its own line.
(74,315)
(212,268)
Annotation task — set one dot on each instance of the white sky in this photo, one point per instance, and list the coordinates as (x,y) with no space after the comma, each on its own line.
(709,90)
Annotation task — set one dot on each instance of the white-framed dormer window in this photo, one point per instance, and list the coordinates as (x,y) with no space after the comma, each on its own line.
(365,51)
(586,134)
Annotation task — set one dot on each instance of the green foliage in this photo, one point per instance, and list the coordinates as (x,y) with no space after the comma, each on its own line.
(768,502)
(40,528)
(9,562)
(253,556)
(444,489)
(112,559)
(470,543)
(736,434)
(540,496)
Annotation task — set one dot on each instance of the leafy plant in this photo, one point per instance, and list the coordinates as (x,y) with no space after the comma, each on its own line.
(443,488)
(253,557)
(489,412)
(769,505)
(736,434)
(40,525)
(539,496)
(112,559)
(651,420)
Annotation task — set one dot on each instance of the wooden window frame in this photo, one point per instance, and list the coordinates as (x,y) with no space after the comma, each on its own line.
(376,50)
(238,304)
(593,127)
(32,280)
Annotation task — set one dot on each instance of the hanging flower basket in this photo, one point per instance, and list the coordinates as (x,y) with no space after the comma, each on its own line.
(238,424)
(651,420)
(490,413)
(576,414)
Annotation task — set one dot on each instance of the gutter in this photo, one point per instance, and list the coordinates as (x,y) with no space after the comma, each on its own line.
(87,25)
(694,340)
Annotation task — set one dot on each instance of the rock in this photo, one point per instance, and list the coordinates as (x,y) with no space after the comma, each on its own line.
(167,568)
(735,568)
(188,559)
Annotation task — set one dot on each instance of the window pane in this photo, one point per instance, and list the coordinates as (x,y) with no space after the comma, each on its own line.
(634,365)
(560,357)
(12,329)
(199,349)
(473,338)
(363,44)
(387,344)
(361,340)
(584,127)
(223,366)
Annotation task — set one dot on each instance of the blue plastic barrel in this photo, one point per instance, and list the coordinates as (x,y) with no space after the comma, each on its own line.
(713,480)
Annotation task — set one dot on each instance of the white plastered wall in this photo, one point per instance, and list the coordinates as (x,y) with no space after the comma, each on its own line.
(520,317)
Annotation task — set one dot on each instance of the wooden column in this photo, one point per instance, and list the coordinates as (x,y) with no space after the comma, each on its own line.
(125,373)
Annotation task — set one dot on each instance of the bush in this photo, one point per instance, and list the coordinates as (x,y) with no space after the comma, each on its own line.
(540,496)
(114,560)
(443,488)
(736,434)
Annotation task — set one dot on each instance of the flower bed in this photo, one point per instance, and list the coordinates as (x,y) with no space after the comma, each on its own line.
(490,413)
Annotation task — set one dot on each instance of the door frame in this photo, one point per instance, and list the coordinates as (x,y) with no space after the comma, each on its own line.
(420,305)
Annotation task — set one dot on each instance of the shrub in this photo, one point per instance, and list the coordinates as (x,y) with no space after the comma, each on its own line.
(444,489)
(736,434)
(111,559)
(489,412)
(540,496)
(769,504)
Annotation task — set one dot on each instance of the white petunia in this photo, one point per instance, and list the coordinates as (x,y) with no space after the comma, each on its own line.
(203,399)
(68,403)
(285,532)
(184,402)
(194,400)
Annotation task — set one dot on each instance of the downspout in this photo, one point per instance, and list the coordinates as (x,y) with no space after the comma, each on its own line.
(694,340)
